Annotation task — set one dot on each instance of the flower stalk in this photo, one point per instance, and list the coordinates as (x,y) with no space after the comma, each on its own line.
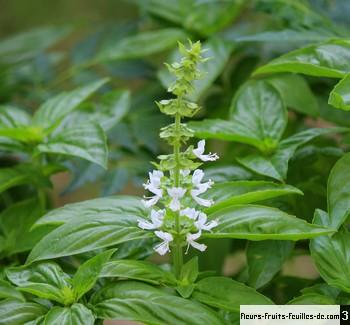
(177,183)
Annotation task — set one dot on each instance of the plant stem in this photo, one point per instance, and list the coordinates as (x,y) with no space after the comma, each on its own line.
(177,249)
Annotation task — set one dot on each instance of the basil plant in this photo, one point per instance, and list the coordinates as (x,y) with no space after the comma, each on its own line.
(88,264)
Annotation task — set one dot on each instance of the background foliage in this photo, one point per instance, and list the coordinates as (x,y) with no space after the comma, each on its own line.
(274,102)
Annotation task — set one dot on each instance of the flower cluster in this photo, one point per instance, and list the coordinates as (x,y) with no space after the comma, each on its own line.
(177,186)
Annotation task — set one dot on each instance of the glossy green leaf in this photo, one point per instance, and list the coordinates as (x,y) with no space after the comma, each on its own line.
(258,117)
(135,301)
(51,113)
(276,166)
(305,102)
(259,113)
(218,51)
(312,299)
(338,193)
(340,95)
(331,254)
(77,314)
(107,206)
(242,192)
(89,233)
(143,44)
(232,172)
(328,59)
(45,280)
(137,270)
(15,312)
(88,273)
(227,294)
(9,291)
(265,259)
(254,222)
(86,141)
(16,222)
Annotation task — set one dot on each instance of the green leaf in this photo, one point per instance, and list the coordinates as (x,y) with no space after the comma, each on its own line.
(218,51)
(88,233)
(242,192)
(312,299)
(202,17)
(76,314)
(141,302)
(259,113)
(258,117)
(16,222)
(137,270)
(88,273)
(265,259)
(340,95)
(86,141)
(51,113)
(26,45)
(8,291)
(142,45)
(23,134)
(305,102)
(188,276)
(45,280)
(254,222)
(14,312)
(12,117)
(276,166)
(19,175)
(286,35)
(227,294)
(113,205)
(337,192)
(331,254)
(328,59)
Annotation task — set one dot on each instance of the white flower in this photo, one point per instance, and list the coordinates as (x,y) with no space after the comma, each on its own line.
(202,225)
(190,238)
(152,200)
(185,172)
(199,152)
(154,182)
(197,177)
(200,201)
(190,213)
(176,193)
(156,220)
(163,247)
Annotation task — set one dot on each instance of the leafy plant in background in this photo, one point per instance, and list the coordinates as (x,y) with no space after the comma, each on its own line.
(41,143)
(262,149)
(182,210)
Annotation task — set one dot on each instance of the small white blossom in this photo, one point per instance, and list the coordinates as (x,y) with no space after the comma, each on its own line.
(199,152)
(185,172)
(163,247)
(190,238)
(200,201)
(154,182)
(190,213)
(156,220)
(202,225)
(197,177)
(176,193)
(152,200)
